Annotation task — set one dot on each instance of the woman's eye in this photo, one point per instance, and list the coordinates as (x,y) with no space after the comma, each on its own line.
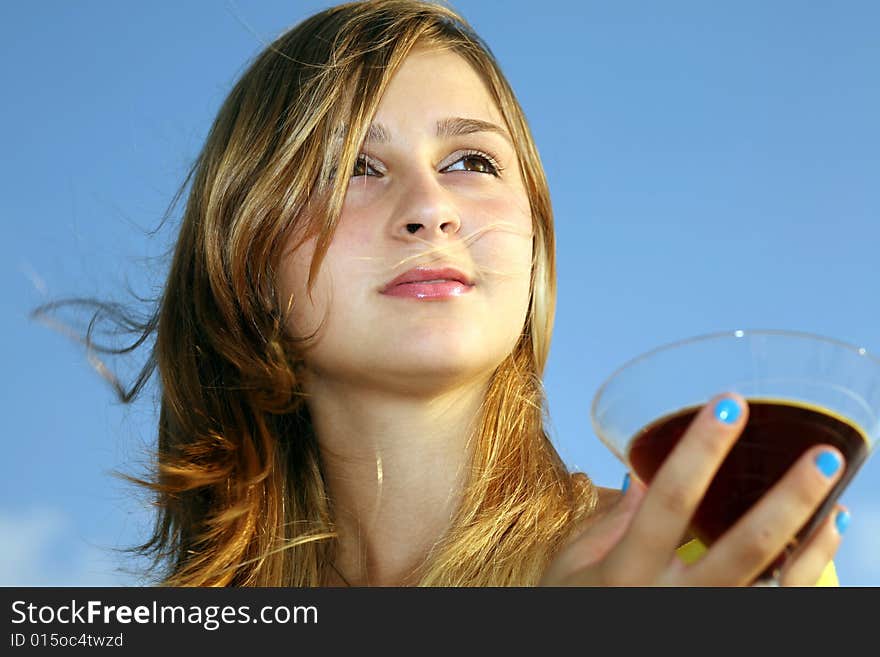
(477,163)
(361,166)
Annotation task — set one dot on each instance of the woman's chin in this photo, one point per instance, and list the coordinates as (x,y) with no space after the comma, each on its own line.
(432,371)
(448,363)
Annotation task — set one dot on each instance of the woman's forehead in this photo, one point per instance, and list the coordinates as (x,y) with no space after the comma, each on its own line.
(432,84)
(443,128)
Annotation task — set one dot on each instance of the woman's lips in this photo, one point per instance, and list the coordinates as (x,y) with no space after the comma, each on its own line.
(429,290)
(429,283)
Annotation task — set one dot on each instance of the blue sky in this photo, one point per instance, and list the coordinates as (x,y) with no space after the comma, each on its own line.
(712,165)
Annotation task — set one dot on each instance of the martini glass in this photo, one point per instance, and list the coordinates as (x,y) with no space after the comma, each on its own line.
(802,389)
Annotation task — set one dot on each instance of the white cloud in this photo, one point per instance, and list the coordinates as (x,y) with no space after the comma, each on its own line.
(41,547)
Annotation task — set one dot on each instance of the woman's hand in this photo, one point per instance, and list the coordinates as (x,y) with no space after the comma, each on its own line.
(634,543)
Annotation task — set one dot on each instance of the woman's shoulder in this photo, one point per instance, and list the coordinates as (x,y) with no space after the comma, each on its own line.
(592,501)
(606,498)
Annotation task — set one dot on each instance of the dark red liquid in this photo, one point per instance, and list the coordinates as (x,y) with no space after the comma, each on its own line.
(776,435)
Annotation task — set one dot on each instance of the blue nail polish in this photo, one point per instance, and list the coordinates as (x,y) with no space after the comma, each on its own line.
(842,521)
(625,485)
(828,463)
(727,410)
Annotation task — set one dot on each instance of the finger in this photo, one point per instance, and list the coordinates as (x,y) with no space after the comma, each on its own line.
(679,485)
(763,533)
(572,565)
(811,559)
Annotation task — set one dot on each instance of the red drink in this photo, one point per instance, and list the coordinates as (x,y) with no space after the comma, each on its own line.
(776,435)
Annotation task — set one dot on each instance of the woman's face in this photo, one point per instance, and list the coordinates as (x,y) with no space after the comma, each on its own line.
(419,199)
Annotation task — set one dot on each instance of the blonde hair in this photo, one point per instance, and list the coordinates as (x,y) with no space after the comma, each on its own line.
(238,481)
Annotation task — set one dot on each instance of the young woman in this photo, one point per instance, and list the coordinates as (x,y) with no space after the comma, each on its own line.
(352,336)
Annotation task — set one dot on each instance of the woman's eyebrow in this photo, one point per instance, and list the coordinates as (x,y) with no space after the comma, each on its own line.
(449,127)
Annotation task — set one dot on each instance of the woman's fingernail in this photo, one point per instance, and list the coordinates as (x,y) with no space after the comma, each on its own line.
(828,463)
(625,485)
(842,521)
(727,410)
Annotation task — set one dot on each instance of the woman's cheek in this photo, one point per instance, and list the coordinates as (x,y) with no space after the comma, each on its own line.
(303,311)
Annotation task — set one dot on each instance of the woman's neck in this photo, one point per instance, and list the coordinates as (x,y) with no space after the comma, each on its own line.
(395,467)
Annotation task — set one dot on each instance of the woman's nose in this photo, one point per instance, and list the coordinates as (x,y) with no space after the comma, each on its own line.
(426,211)
(450,226)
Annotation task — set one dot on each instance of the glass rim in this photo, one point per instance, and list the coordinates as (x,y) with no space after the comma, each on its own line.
(736,333)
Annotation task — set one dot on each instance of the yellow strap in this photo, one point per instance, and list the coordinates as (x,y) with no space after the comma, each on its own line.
(693,550)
